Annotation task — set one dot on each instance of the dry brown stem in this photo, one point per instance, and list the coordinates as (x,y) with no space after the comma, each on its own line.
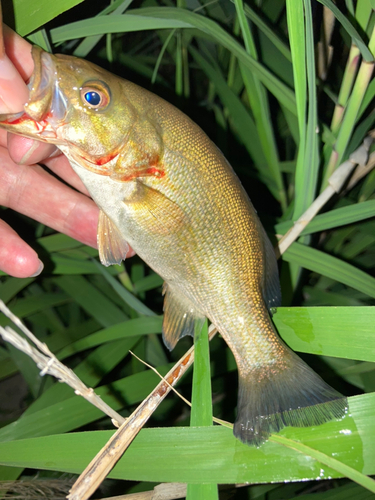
(335,184)
(47,362)
(105,460)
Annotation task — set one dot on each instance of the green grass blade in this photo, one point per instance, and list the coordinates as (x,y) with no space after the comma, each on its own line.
(334,268)
(268,31)
(368,97)
(147,283)
(11,286)
(161,54)
(201,404)
(201,399)
(334,218)
(343,332)
(125,295)
(352,32)
(152,18)
(260,108)
(113,24)
(29,16)
(155,455)
(242,122)
(89,43)
(310,174)
(295,17)
(35,303)
(91,300)
(59,242)
(144,325)
(40,38)
(10,473)
(302,48)
(283,93)
(345,470)
(56,416)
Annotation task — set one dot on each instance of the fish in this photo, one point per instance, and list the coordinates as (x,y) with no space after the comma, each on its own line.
(163,187)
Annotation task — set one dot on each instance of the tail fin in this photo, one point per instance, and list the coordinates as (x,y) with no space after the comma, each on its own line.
(271,399)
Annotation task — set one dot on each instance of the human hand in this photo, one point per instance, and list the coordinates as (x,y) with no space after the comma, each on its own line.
(26,187)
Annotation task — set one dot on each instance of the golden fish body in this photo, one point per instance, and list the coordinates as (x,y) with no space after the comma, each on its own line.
(166,189)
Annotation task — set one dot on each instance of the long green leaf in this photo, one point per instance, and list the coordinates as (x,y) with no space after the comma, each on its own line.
(11,286)
(334,218)
(268,31)
(28,16)
(112,24)
(34,303)
(144,325)
(241,119)
(58,416)
(165,17)
(156,454)
(353,33)
(345,470)
(334,268)
(91,299)
(122,292)
(333,331)
(89,43)
(201,405)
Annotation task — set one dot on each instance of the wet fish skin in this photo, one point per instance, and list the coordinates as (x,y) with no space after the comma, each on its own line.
(166,189)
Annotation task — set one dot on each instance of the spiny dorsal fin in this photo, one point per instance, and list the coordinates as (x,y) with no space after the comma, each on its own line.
(179,316)
(270,285)
(111,245)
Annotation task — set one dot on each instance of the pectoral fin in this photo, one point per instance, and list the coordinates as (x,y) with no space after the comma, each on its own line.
(111,245)
(161,215)
(180,315)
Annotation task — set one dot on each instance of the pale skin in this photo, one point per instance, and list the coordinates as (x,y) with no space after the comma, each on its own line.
(25,186)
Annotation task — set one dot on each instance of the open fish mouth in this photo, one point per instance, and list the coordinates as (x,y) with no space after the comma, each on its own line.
(47,106)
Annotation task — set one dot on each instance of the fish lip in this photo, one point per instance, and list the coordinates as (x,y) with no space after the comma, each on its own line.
(46,111)
(47,104)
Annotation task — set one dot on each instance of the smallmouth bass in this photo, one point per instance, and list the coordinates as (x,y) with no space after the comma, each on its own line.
(163,187)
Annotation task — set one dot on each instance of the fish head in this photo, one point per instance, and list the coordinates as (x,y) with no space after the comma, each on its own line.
(77,106)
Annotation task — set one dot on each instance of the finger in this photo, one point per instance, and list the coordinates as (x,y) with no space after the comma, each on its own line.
(14,93)
(31,191)
(16,257)
(19,52)
(60,166)
(13,90)
(27,151)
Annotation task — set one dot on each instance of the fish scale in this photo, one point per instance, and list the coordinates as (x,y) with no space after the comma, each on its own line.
(164,187)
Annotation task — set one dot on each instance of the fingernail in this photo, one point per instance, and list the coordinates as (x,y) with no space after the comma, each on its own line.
(28,153)
(40,269)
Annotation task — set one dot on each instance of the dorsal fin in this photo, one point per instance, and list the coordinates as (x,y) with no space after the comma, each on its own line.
(111,245)
(180,315)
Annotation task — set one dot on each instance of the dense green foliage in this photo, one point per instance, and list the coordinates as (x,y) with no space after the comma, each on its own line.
(281,96)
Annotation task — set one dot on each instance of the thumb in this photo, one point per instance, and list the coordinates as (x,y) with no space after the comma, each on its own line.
(13,90)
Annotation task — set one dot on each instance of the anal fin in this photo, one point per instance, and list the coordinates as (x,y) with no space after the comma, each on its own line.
(180,316)
(111,245)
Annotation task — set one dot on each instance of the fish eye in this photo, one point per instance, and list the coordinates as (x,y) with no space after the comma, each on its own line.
(94,97)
